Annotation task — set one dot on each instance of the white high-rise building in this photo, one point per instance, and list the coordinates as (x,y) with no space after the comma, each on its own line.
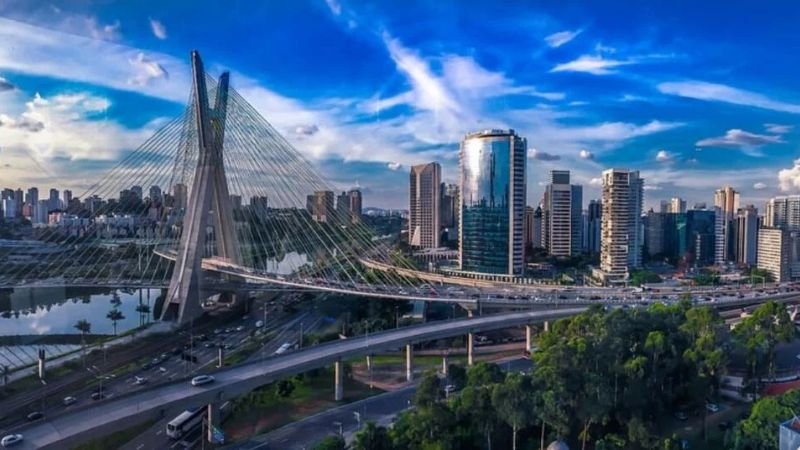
(677,205)
(561,215)
(424,209)
(621,230)
(774,252)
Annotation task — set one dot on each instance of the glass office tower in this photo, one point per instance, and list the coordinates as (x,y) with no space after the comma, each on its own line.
(492,203)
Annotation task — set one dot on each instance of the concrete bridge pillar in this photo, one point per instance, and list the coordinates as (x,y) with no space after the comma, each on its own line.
(220,357)
(444,365)
(42,358)
(546,326)
(338,380)
(369,369)
(409,362)
(212,417)
(470,347)
(528,338)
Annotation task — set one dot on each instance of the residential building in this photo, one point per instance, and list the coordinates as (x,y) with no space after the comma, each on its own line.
(348,206)
(621,234)
(774,252)
(783,211)
(533,227)
(561,216)
(424,209)
(492,202)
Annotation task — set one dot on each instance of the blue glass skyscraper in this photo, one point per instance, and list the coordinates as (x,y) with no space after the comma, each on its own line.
(492,202)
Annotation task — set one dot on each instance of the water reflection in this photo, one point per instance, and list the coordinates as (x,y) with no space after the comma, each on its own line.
(43,311)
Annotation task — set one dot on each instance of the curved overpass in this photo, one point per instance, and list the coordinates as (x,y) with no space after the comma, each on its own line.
(74,427)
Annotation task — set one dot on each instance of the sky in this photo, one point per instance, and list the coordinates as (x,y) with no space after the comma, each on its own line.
(695,98)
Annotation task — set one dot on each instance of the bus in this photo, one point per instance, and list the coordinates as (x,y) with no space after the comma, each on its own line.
(185,422)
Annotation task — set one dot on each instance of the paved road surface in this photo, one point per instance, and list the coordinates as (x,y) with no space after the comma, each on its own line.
(164,401)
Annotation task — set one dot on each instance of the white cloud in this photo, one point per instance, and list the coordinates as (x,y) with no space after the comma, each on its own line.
(306,130)
(145,70)
(759,186)
(158,29)
(652,187)
(789,179)
(44,52)
(596,182)
(556,40)
(778,128)
(596,65)
(702,90)
(585,154)
(394,166)
(663,156)
(737,138)
(335,6)
(60,126)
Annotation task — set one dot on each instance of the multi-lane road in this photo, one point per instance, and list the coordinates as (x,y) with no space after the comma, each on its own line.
(159,402)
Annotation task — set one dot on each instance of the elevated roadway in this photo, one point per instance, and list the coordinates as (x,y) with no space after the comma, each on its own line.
(81,425)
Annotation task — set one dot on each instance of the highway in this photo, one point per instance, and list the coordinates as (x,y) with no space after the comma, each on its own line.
(158,402)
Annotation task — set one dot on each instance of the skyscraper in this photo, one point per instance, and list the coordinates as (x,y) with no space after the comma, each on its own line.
(561,215)
(320,205)
(621,231)
(774,252)
(67,198)
(180,194)
(492,202)
(33,197)
(53,202)
(783,211)
(348,206)
(727,200)
(155,194)
(424,208)
(594,219)
(746,232)
(137,191)
(677,205)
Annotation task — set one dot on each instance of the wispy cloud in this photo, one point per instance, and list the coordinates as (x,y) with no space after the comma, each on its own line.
(777,128)
(158,29)
(745,140)
(663,156)
(335,6)
(595,65)
(5,85)
(702,90)
(585,154)
(760,186)
(560,38)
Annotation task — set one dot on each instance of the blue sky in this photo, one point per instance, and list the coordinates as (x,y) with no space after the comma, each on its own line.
(693,97)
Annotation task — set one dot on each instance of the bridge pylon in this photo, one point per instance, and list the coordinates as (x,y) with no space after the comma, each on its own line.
(208,196)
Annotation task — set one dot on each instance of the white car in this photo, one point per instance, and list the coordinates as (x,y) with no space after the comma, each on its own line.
(712,407)
(11,439)
(140,381)
(202,379)
(259,324)
(69,401)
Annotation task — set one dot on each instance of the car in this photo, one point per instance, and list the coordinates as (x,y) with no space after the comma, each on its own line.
(259,324)
(139,381)
(712,407)
(240,328)
(11,439)
(209,345)
(98,396)
(449,388)
(36,415)
(162,369)
(202,379)
(69,401)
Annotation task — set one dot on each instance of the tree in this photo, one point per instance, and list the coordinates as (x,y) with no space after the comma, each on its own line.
(513,402)
(85,328)
(330,443)
(284,388)
(115,316)
(759,334)
(372,437)
(758,431)
(483,374)
(428,391)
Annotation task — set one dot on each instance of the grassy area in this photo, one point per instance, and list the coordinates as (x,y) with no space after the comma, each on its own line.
(266,409)
(419,360)
(116,440)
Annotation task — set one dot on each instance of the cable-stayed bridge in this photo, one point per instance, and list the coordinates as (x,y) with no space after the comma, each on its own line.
(195,236)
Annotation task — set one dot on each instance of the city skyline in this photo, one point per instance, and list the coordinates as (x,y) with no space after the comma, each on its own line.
(675,105)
